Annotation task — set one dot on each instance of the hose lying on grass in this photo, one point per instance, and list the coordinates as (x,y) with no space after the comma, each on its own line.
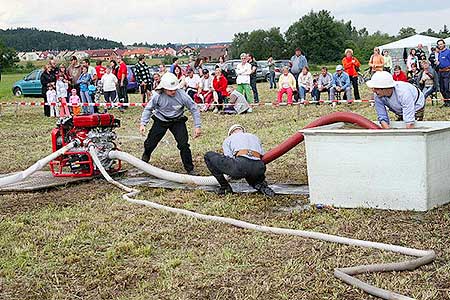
(345,274)
(17,177)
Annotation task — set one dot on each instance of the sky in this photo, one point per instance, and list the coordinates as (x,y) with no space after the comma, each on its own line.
(183,21)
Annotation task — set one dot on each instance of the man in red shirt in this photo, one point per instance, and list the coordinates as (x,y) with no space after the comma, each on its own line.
(399,75)
(122,74)
(100,70)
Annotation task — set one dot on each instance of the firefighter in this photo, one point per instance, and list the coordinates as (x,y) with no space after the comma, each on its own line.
(241,158)
(166,108)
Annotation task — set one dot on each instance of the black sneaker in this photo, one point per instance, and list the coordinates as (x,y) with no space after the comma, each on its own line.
(264,189)
(145,158)
(225,190)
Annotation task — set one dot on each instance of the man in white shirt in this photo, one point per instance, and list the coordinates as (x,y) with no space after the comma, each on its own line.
(192,84)
(243,71)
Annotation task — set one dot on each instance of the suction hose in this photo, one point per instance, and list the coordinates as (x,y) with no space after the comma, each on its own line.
(345,274)
(7,180)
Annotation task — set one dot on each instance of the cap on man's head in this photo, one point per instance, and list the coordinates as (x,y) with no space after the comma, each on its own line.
(339,68)
(234,127)
(205,71)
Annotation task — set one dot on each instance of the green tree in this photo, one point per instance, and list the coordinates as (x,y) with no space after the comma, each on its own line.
(8,56)
(261,43)
(320,36)
(405,32)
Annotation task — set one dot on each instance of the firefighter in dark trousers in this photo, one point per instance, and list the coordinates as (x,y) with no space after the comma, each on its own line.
(241,158)
(166,108)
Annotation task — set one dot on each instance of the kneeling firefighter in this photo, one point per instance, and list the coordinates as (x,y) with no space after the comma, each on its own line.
(166,108)
(241,158)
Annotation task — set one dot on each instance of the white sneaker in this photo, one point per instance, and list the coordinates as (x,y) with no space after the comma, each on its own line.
(249,110)
(216,110)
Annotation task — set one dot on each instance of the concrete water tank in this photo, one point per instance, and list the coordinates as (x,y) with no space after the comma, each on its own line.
(400,169)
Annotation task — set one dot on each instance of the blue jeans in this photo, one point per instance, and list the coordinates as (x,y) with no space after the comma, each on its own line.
(302,93)
(427,91)
(272,79)
(86,98)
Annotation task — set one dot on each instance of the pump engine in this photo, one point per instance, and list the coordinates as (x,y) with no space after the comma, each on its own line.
(96,130)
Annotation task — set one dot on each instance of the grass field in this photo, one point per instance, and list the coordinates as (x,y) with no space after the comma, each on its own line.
(84,242)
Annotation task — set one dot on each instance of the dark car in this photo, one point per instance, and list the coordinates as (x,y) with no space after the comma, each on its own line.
(230,70)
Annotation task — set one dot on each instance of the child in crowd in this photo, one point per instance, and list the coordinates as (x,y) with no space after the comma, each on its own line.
(51,100)
(75,102)
(61,93)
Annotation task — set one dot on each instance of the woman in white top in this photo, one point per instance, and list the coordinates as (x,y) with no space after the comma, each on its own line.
(109,81)
(305,83)
(243,71)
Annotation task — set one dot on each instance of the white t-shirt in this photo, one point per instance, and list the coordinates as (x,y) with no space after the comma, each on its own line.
(109,82)
(243,72)
(193,82)
(92,71)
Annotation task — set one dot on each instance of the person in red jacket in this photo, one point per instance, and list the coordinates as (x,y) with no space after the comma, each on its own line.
(351,64)
(100,70)
(399,75)
(220,84)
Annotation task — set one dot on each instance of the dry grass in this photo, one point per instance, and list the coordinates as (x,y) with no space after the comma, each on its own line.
(84,242)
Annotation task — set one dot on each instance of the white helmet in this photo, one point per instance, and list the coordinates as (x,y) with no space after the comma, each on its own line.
(381,80)
(234,127)
(168,82)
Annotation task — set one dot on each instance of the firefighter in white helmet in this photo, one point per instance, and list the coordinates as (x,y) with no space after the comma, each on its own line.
(241,158)
(166,108)
(402,98)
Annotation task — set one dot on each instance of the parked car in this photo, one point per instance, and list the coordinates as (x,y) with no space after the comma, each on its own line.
(30,85)
(263,65)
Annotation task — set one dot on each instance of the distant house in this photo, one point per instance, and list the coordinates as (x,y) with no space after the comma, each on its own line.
(185,51)
(30,56)
(102,54)
(80,54)
(136,52)
(214,52)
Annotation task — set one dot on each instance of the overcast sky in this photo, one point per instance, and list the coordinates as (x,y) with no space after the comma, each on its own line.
(183,21)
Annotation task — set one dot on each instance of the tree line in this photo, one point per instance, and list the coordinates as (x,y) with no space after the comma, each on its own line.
(321,37)
(32,39)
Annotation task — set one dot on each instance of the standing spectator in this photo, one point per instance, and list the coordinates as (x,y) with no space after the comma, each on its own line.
(84,82)
(173,65)
(52,100)
(91,70)
(405,55)
(74,72)
(286,85)
(340,83)
(179,74)
(443,65)
(254,65)
(46,79)
(63,73)
(54,70)
(62,86)
(243,71)
(351,66)
(122,74)
(297,62)
(162,69)
(324,83)
(420,53)
(413,76)
(75,102)
(192,81)
(100,70)
(399,75)
(220,84)
(271,65)
(305,83)
(411,59)
(109,82)
(428,80)
(432,57)
(143,78)
(376,61)
(387,61)
(114,67)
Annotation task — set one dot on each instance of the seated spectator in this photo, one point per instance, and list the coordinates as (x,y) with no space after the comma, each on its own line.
(413,75)
(192,82)
(286,85)
(340,83)
(198,66)
(305,83)
(428,80)
(205,90)
(399,75)
(432,57)
(324,82)
(220,84)
(237,103)
(179,74)
(315,89)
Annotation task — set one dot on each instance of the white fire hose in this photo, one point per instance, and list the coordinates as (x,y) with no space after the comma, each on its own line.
(17,177)
(345,274)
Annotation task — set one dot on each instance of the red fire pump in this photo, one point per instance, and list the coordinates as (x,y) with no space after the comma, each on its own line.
(96,130)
